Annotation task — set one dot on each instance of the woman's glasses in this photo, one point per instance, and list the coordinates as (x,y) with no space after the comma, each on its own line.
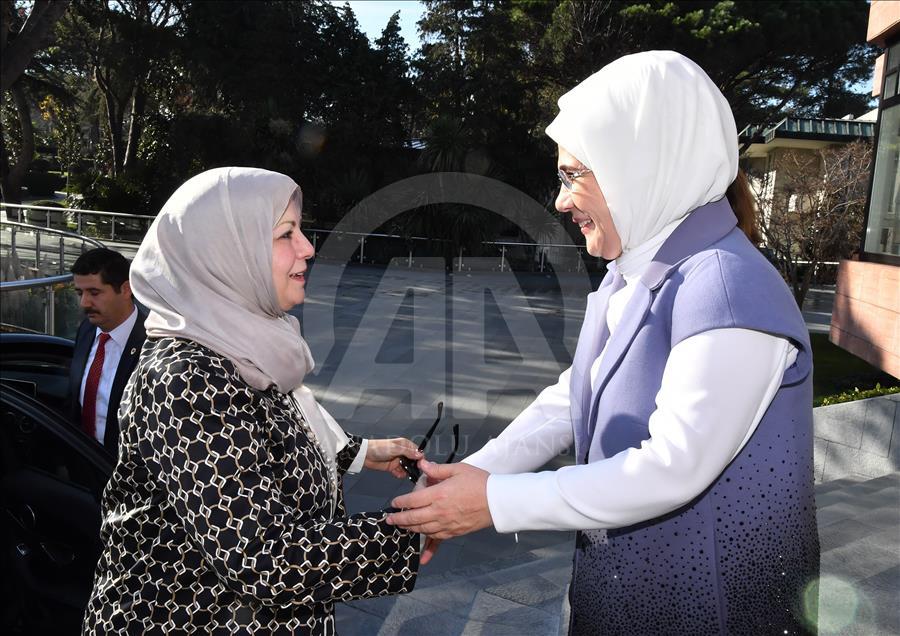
(412,471)
(568,178)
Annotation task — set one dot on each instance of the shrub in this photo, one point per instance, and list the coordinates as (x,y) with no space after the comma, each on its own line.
(47,203)
(43,183)
(39,165)
(122,194)
(855,394)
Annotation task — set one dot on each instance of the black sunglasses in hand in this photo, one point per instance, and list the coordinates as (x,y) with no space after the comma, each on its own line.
(412,470)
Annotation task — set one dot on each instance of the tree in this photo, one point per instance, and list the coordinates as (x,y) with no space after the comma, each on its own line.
(812,206)
(21,36)
(125,45)
(21,39)
(767,57)
(65,133)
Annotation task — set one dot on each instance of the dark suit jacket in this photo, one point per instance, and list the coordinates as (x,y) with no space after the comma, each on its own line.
(83,343)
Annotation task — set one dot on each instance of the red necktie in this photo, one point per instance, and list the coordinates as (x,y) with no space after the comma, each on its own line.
(89,404)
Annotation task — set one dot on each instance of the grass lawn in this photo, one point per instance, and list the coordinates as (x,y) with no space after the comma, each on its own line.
(836,370)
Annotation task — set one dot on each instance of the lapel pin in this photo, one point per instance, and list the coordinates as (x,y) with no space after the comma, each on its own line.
(133,350)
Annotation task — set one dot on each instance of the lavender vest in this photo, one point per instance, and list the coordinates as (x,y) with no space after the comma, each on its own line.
(737,558)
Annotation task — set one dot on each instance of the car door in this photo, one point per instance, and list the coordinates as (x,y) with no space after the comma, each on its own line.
(51,480)
(37,365)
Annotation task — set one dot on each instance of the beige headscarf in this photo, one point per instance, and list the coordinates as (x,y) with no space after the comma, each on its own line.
(204,270)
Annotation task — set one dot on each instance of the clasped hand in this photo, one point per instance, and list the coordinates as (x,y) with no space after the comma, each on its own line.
(454,503)
(385,454)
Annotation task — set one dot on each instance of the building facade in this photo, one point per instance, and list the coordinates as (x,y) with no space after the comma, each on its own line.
(866,317)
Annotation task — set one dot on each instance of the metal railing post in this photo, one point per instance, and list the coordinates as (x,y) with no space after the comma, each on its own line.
(37,251)
(543,253)
(409,261)
(112,236)
(78,222)
(459,261)
(502,256)
(362,248)
(62,255)
(50,311)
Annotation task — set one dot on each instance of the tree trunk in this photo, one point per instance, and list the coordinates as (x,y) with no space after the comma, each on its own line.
(12,185)
(114,123)
(135,126)
(803,285)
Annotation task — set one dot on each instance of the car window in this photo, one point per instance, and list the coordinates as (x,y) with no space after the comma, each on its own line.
(43,377)
(29,442)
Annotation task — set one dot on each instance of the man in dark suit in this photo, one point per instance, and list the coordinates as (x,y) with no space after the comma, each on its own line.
(107,346)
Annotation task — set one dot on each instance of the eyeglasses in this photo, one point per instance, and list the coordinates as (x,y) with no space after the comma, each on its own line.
(412,471)
(567,178)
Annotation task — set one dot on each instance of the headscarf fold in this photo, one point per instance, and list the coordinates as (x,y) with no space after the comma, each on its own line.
(658,135)
(204,272)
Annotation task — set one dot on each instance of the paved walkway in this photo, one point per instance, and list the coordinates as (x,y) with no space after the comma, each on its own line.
(525,595)
(391,343)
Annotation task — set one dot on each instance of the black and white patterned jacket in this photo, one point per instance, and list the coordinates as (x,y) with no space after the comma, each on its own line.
(219,516)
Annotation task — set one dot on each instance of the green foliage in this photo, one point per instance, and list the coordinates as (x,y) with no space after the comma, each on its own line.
(124,193)
(856,394)
(837,371)
(297,87)
(65,131)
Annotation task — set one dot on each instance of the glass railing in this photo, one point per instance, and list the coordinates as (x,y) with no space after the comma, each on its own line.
(36,292)
(124,231)
(41,305)
(28,251)
(382,249)
(116,227)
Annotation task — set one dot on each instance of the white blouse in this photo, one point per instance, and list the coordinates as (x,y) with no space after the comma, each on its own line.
(715,388)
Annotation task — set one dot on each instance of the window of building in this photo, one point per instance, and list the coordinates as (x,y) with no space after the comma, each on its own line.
(883,220)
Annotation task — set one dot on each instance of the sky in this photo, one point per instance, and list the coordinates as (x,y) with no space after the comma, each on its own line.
(374,15)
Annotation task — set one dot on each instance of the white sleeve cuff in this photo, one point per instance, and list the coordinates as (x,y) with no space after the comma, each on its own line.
(532,501)
(360,458)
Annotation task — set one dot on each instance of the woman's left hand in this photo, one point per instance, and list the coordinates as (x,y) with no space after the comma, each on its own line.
(385,454)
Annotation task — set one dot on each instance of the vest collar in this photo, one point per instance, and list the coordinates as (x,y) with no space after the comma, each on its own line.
(702,227)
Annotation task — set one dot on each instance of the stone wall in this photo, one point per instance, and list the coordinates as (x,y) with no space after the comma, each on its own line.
(857,439)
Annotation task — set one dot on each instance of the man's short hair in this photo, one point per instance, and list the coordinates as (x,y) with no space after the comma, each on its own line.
(112,266)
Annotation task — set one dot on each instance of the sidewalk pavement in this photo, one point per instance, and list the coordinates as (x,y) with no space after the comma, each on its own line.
(390,344)
(525,594)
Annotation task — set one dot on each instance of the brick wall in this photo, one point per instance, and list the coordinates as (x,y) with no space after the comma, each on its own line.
(866,316)
(884,16)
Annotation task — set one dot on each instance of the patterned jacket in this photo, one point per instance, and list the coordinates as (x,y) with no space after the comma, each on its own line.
(219,517)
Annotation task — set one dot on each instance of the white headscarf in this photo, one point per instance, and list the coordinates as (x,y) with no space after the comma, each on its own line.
(658,135)
(204,270)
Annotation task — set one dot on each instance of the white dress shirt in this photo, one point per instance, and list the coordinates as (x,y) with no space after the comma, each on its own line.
(715,388)
(118,338)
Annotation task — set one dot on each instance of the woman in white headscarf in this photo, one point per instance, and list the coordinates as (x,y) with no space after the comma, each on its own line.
(224,513)
(689,400)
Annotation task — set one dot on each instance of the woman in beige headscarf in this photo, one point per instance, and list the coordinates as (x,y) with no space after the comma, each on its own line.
(225,512)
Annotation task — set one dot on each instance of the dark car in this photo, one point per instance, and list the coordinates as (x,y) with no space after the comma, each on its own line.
(51,479)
